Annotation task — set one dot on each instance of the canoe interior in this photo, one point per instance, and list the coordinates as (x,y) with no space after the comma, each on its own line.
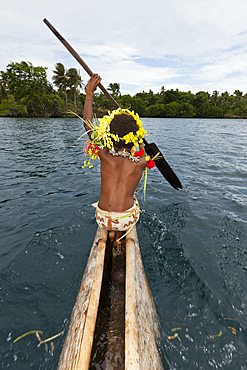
(109,337)
(124,331)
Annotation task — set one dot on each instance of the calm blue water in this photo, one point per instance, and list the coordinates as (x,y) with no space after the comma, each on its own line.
(193,241)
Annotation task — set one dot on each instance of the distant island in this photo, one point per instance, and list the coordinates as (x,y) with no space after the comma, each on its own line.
(26,92)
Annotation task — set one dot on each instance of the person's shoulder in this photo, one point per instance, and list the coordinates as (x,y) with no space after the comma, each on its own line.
(103,152)
(143,162)
(104,155)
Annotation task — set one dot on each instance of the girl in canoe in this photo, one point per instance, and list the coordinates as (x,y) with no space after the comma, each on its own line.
(114,142)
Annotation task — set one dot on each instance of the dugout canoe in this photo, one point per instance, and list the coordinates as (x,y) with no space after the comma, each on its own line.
(131,320)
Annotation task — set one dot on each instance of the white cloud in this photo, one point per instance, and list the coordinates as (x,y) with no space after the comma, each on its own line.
(192,45)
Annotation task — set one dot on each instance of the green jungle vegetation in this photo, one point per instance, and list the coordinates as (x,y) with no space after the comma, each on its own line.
(26,92)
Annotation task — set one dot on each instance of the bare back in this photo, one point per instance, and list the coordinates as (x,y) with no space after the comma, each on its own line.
(119,179)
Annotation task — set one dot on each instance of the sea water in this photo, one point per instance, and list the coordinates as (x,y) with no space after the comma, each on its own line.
(193,241)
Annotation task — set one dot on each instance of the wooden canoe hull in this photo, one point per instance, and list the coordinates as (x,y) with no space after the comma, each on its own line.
(141,323)
(146,316)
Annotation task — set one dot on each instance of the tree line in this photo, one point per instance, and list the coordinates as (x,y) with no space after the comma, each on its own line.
(26,92)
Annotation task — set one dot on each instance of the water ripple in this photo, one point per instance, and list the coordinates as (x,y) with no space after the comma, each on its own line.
(193,242)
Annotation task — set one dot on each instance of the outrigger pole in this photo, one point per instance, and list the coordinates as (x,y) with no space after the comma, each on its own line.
(151,149)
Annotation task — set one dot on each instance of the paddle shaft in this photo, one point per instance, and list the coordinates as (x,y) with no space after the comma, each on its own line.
(152,148)
(82,63)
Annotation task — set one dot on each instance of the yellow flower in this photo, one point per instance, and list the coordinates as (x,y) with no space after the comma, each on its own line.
(101,135)
(104,129)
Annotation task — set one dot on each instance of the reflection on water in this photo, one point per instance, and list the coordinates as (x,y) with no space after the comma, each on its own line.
(193,242)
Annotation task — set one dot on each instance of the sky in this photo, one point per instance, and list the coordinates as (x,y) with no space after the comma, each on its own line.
(196,45)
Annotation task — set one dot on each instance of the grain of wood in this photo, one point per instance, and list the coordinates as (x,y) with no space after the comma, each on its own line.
(147,319)
(131,331)
(81,330)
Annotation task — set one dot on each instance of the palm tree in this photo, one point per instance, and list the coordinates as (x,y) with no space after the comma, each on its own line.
(215,97)
(114,88)
(60,79)
(225,100)
(74,82)
(238,102)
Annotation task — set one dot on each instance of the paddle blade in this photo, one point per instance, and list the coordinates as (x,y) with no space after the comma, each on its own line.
(163,166)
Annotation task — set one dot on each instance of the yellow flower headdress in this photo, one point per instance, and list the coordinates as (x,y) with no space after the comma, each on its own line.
(103,130)
(102,137)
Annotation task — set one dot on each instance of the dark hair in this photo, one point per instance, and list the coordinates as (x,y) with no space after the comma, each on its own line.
(121,125)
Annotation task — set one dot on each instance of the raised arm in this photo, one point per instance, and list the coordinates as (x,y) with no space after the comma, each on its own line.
(91,86)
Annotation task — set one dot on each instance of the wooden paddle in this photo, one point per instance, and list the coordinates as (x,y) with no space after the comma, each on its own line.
(151,149)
